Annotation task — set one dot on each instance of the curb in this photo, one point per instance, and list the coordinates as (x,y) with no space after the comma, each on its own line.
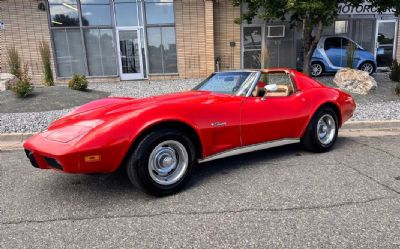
(379,124)
(15,137)
(15,140)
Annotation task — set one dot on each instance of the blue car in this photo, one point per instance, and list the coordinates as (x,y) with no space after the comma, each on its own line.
(330,56)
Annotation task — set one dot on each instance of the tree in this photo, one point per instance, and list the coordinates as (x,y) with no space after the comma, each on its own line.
(312,15)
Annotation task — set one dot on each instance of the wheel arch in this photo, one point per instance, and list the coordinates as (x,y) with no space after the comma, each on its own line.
(165,124)
(330,104)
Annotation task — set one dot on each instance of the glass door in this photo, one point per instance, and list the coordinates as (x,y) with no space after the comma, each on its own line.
(130,54)
(386,35)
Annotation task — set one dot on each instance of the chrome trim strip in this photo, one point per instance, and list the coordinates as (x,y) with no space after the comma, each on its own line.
(249,148)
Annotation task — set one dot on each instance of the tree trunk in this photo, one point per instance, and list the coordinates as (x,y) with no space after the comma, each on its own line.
(310,43)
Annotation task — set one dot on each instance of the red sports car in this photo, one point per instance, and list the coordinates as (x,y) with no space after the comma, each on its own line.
(159,139)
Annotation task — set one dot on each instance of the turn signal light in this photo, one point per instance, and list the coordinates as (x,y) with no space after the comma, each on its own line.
(92,158)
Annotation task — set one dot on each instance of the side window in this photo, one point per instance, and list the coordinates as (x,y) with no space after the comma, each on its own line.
(282,80)
(332,42)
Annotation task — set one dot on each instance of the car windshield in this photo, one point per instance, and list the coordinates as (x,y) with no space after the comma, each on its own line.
(232,83)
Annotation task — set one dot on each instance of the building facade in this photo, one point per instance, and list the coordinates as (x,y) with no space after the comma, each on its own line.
(112,40)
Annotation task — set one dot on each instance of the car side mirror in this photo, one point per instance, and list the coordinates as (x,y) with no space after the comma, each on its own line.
(268,89)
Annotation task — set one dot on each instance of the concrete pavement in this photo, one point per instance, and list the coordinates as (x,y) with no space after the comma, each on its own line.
(278,198)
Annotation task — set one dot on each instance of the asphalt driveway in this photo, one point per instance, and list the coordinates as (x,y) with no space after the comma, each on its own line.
(278,198)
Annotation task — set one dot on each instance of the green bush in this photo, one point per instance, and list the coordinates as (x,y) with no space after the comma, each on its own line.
(351,49)
(23,86)
(78,82)
(14,62)
(395,71)
(46,63)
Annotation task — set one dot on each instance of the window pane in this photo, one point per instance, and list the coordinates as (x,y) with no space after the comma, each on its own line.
(126,14)
(69,52)
(100,52)
(252,59)
(169,50)
(162,50)
(333,42)
(154,49)
(95,15)
(62,1)
(64,15)
(158,13)
(363,33)
(252,37)
(129,49)
(341,27)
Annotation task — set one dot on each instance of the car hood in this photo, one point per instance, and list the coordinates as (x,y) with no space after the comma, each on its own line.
(99,109)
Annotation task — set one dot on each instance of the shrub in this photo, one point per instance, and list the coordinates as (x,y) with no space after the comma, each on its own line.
(14,62)
(397,89)
(23,86)
(351,49)
(46,63)
(78,82)
(395,71)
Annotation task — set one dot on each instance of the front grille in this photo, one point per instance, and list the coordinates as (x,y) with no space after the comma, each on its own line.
(31,158)
(53,163)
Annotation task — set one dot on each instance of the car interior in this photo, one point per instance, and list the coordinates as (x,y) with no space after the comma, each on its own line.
(282,81)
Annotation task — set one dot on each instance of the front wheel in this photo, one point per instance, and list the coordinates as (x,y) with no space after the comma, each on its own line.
(322,131)
(162,162)
(368,67)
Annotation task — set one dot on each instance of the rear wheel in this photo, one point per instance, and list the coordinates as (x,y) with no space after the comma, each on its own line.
(322,131)
(162,162)
(317,69)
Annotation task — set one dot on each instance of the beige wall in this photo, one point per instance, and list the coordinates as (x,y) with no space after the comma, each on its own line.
(195,46)
(225,31)
(25,26)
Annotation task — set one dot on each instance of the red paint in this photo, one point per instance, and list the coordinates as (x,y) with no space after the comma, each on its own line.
(108,127)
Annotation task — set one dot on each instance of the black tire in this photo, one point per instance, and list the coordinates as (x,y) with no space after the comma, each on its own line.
(369,64)
(138,168)
(311,140)
(317,64)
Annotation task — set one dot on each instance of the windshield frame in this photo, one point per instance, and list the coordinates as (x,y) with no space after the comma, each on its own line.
(253,76)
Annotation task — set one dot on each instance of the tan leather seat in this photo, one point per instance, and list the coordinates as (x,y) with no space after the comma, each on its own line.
(282,91)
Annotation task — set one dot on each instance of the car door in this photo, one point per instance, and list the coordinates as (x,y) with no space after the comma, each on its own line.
(334,50)
(345,45)
(278,115)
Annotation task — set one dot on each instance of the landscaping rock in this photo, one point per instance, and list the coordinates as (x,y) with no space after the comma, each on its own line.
(6,80)
(355,81)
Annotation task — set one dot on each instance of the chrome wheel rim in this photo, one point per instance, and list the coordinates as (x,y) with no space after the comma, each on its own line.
(326,129)
(168,162)
(367,67)
(316,69)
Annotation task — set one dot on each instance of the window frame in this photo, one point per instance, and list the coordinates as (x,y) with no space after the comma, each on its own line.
(158,25)
(81,29)
(261,72)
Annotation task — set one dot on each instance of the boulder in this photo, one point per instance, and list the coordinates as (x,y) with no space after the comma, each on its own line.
(355,81)
(6,80)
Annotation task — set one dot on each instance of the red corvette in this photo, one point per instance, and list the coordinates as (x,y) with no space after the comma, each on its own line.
(159,139)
